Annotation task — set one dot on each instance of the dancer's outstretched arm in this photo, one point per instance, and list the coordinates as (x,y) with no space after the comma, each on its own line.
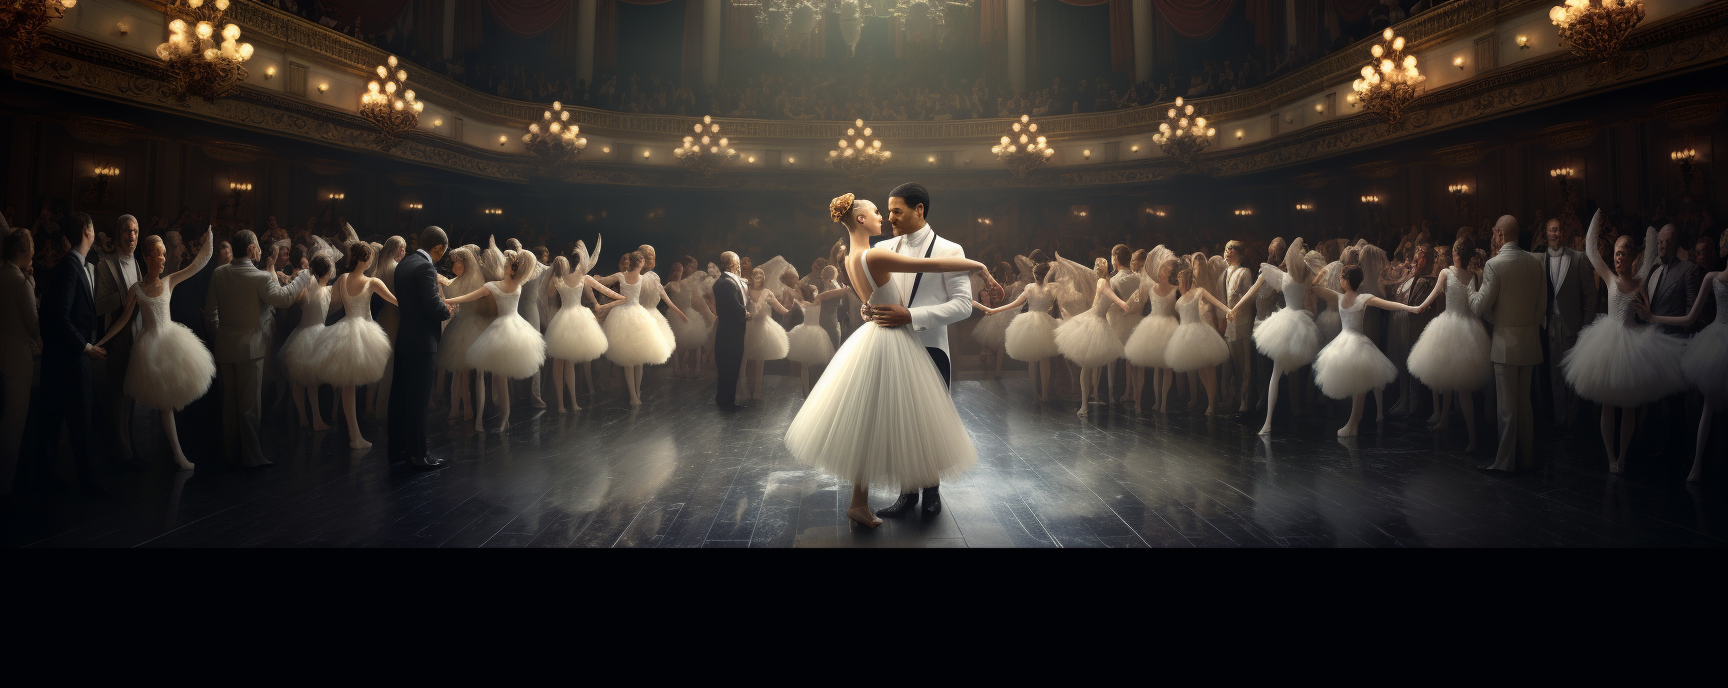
(1011,305)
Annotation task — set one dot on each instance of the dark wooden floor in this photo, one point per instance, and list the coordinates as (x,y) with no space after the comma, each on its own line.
(679,473)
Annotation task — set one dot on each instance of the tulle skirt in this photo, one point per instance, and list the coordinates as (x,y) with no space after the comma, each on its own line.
(881,415)
(1123,324)
(765,340)
(1329,324)
(352,352)
(299,355)
(1351,365)
(1290,338)
(1452,354)
(809,344)
(1625,366)
(633,338)
(1087,340)
(992,331)
(510,347)
(663,326)
(1030,337)
(690,333)
(574,335)
(1706,362)
(1149,341)
(170,367)
(460,334)
(1194,346)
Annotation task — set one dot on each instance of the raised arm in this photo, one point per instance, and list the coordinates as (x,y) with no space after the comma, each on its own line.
(829,295)
(198,262)
(609,279)
(1592,252)
(279,296)
(125,316)
(1325,294)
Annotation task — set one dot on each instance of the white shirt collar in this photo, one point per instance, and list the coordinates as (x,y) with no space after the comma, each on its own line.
(919,237)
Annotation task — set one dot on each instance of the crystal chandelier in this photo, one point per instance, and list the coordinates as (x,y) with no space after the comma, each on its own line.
(22,23)
(1385,88)
(856,159)
(1020,151)
(1183,138)
(392,107)
(554,138)
(198,64)
(707,150)
(1596,30)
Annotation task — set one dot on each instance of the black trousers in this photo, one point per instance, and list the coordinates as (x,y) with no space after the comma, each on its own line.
(70,403)
(728,358)
(942,365)
(410,391)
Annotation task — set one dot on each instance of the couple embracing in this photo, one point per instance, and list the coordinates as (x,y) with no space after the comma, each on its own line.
(881,412)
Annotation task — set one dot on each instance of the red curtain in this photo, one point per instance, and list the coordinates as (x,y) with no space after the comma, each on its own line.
(468,34)
(1196,18)
(1121,32)
(527,17)
(992,21)
(370,16)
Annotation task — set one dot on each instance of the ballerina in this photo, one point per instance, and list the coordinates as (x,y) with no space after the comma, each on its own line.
(1706,359)
(1086,338)
(1031,336)
(353,351)
(574,335)
(649,295)
(690,333)
(1451,354)
(1195,344)
(509,348)
(1126,284)
(300,353)
(1618,362)
(1147,344)
(881,413)
(632,337)
(1289,336)
(170,366)
(810,344)
(764,339)
(1351,365)
(991,332)
(466,401)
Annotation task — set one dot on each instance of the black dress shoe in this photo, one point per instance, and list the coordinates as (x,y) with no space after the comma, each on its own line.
(423,463)
(1489,467)
(900,507)
(932,501)
(728,407)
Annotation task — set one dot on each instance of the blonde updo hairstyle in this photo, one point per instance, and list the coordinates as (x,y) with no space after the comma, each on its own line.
(840,209)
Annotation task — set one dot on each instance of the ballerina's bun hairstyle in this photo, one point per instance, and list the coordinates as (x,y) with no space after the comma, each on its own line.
(634,260)
(1353,276)
(840,209)
(1102,267)
(358,253)
(321,266)
(1039,271)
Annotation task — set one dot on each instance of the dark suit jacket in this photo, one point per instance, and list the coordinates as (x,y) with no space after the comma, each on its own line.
(68,311)
(422,308)
(1675,294)
(728,309)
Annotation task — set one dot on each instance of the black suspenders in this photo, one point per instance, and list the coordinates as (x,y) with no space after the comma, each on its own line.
(920,276)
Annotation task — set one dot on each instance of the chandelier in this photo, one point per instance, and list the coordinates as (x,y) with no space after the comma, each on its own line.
(1387,87)
(1183,138)
(391,108)
(1023,154)
(703,153)
(198,65)
(1596,30)
(554,138)
(22,23)
(856,159)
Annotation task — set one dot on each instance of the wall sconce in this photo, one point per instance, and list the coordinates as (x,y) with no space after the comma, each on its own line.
(1320,108)
(930,159)
(323,86)
(1086,154)
(750,159)
(1289,118)
(493,211)
(269,73)
(337,196)
(239,189)
(1458,189)
(1560,172)
(1134,148)
(1351,99)
(984,221)
(645,154)
(437,122)
(103,174)
(1239,134)
(1079,210)
(1304,207)
(1523,42)
(791,161)
(502,139)
(1458,62)
(123,29)
(416,207)
(1244,213)
(1685,158)
(1371,200)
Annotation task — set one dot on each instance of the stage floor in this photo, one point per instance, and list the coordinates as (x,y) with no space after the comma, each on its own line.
(680,473)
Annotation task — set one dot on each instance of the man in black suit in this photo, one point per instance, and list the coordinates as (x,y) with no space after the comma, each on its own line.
(69,333)
(728,331)
(422,309)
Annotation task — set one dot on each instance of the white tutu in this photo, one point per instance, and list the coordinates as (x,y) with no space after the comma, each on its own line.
(460,334)
(1290,338)
(1148,343)
(352,352)
(510,347)
(689,333)
(1030,337)
(1124,324)
(1706,360)
(809,344)
(170,367)
(992,331)
(1452,353)
(633,338)
(881,415)
(1086,339)
(1351,365)
(764,340)
(1329,325)
(1625,366)
(575,335)
(299,355)
(1193,346)
(663,326)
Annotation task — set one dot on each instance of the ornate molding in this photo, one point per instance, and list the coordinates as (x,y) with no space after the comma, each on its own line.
(1687,112)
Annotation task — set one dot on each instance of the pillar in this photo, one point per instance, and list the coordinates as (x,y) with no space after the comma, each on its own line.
(1141,15)
(1017,45)
(585,40)
(1289,24)
(710,44)
(447,37)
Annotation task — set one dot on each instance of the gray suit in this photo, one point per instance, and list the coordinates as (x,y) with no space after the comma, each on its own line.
(1512,296)
(1571,305)
(1672,289)
(240,295)
(112,285)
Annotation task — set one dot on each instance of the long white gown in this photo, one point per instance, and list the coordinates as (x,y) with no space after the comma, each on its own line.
(809,343)
(764,338)
(1086,339)
(632,336)
(170,367)
(1706,359)
(1031,336)
(1451,355)
(300,354)
(1194,344)
(1351,364)
(881,413)
(1151,338)
(574,333)
(1289,336)
(353,351)
(510,346)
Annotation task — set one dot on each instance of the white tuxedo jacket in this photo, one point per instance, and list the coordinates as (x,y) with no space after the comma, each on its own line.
(943,298)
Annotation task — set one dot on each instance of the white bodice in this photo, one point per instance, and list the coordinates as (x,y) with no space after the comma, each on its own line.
(568,296)
(315,306)
(356,305)
(884,294)
(759,305)
(1164,306)
(1458,292)
(1188,307)
(812,313)
(1100,303)
(630,292)
(1352,316)
(154,308)
(1038,299)
(507,301)
(1295,294)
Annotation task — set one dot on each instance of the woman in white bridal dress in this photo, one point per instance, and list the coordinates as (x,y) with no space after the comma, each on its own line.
(764,339)
(881,413)
(170,366)
(353,351)
(810,344)
(510,348)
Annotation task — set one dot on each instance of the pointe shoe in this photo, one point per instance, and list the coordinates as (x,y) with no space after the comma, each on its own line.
(183,464)
(862,516)
(1266,431)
